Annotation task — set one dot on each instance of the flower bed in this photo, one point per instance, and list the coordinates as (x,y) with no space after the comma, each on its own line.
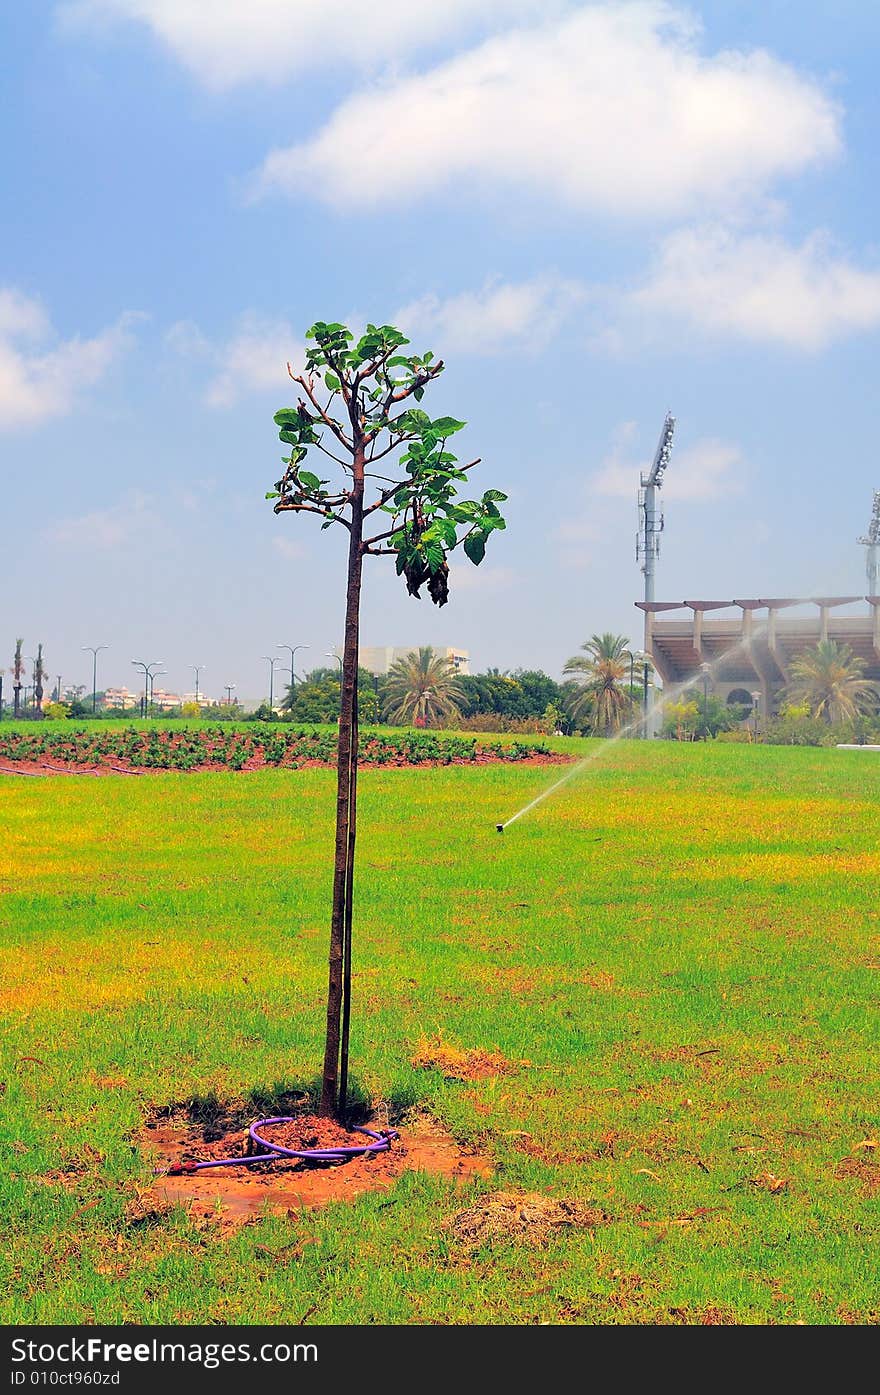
(225,748)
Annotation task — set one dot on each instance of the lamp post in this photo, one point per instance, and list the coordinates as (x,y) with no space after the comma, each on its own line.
(94,650)
(153,677)
(197,668)
(229,687)
(756,711)
(271,660)
(706,670)
(293,649)
(148,678)
(332,655)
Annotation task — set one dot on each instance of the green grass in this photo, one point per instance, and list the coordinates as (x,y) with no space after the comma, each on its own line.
(678,951)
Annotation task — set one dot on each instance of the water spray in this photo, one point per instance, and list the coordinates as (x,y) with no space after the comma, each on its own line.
(669,695)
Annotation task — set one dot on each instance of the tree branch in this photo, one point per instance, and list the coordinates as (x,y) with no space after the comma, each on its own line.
(328,421)
(386,494)
(285,506)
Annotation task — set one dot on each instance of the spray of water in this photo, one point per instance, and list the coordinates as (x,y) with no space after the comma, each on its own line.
(667,695)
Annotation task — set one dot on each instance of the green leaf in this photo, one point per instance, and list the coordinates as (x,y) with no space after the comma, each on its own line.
(290,438)
(446,426)
(287,416)
(418,393)
(494,494)
(332,382)
(475,547)
(433,555)
(272,494)
(308,480)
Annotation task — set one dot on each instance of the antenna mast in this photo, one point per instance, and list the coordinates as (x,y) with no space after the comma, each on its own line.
(871,541)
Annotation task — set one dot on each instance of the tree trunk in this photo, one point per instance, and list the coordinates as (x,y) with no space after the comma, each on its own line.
(338,994)
(16,702)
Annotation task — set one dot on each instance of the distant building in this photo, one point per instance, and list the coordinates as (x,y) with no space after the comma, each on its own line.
(378,659)
(120,697)
(202,699)
(159,698)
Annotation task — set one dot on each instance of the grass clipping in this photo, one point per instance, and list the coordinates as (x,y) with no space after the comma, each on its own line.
(521,1216)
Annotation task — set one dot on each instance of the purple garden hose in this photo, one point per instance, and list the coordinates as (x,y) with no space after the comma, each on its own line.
(381,1144)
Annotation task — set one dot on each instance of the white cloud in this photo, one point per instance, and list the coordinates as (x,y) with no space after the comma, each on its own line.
(253,359)
(488,320)
(289,549)
(760,287)
(103,529)
(705,470)
(612,107)
(227,41)
(41,374)
(487,579)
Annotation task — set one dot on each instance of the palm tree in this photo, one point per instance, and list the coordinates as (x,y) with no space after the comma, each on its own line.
(829,678)
(17,672)
(421,688)
(599,673)
(39,675)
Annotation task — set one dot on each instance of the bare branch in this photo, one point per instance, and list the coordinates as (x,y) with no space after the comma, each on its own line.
(284,506)
(378,537)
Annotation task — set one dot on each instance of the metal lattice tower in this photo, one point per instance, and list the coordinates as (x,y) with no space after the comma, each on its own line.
(650,514)
(871,541)
(651,523)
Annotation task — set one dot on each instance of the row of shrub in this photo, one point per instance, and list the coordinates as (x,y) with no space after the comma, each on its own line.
(191,748)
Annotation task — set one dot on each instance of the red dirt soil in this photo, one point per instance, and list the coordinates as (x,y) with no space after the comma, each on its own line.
(121,767)
(237,1194)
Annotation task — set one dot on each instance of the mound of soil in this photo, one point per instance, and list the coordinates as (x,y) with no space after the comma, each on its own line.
(241,1192)
(524,1215)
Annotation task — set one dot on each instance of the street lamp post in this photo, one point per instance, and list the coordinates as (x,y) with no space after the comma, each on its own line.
(706,670)
(756,711)
(94,650)
(229,687)
(153,677)
(197,668)
(293,649)
(148,678)
(271,660)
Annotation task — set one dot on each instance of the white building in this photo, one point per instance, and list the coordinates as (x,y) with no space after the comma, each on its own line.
(120,697)
(378,658)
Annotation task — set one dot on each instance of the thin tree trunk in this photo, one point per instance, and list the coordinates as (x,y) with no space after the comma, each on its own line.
(346,798)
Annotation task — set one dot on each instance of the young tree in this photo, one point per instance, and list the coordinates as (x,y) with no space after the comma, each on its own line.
(358,398)
(17,672)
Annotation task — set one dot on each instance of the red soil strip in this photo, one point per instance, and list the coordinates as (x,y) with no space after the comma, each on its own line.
(45,767)
(237,1194)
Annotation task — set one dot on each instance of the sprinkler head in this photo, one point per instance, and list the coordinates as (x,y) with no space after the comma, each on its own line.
(499,828)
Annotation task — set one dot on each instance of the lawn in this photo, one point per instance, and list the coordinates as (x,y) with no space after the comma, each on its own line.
(676,955)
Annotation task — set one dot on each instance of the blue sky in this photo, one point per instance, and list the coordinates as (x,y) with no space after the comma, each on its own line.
(594,213)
